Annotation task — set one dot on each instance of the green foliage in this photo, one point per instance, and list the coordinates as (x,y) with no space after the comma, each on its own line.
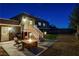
(50,36)
(74,18)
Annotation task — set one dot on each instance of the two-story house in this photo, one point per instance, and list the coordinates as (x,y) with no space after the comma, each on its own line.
(25,24)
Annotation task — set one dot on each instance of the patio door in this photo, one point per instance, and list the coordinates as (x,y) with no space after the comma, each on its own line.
(4,34)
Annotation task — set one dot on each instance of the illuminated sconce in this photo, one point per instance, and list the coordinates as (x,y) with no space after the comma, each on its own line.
(45,33)
(30,40)
(10,28)
(24,19)
(30,22)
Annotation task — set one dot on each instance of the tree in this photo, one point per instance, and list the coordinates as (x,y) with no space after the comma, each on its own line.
(74,18)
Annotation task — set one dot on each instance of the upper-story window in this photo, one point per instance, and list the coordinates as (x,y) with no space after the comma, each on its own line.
(39,23)
(44,24)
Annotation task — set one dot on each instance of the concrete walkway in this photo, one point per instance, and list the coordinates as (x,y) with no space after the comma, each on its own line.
(46,44)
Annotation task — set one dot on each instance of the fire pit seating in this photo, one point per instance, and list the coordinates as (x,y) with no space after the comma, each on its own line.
(18,43)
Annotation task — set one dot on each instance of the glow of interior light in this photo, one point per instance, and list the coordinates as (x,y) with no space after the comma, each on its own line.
(30,34)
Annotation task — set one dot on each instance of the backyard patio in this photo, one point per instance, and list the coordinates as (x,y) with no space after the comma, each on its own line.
(8,48)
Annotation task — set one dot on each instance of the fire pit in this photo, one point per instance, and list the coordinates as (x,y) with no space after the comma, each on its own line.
(30,43)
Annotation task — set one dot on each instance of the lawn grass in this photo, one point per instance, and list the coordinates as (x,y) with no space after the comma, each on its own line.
(63,47)
(50,36)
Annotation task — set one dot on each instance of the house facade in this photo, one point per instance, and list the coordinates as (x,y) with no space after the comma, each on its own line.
(28,25)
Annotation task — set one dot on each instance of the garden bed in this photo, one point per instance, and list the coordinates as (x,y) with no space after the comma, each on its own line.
(3,52)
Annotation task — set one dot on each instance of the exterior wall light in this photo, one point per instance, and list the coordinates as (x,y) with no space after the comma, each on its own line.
(24,20)
(10,28)
(30,22)
(45,33)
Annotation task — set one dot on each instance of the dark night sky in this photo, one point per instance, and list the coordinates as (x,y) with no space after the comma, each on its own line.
(56,14)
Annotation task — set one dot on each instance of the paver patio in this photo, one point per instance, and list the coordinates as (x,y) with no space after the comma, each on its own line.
(13,51)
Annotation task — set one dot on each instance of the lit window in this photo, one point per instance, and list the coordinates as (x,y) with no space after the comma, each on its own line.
(39,23)
(30,34)
(43,24)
